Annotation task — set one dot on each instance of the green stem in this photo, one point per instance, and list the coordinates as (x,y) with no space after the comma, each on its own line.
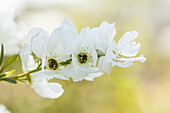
(25,74)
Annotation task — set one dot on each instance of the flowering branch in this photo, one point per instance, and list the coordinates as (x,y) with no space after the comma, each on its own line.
(66,55)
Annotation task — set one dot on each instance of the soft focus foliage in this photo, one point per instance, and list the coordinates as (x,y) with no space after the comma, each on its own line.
(141,88)
(3,109)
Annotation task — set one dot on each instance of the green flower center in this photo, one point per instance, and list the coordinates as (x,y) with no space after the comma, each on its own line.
(82,58)
(52,63)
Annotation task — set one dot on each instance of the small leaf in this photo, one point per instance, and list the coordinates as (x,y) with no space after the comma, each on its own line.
(9,80)
(9,72)
(2,54)
(2,75)
(9,62)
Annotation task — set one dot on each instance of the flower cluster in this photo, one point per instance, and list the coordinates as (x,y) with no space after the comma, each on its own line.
(66,54)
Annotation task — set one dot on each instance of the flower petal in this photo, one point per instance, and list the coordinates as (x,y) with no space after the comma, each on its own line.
(37,39)
(51,74)
(105,62)
(109,53)
(108,31)
(32,34)
(48,90)
(103,35)
(141,58)
(126,46)
(91,77)
(78,75)
(69,36)
(126,62)
(70,72)
(94,56)
(31,63)
(25,53)
(54,40)
(123,64)
(104,66)
(74,62)
(48,74)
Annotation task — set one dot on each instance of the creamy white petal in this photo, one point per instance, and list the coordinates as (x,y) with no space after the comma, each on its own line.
(69,71)
(103,35)
(86,39)
(37,76)
(39,44)
(68,23)
(69,36)
(25,53)
(84,31)
(94,56)
(105,62)
(78,75)
(108,31)
(126,46)
(123,64)
(109,53)
(126,62)
(104,66)
(91,77)
(33,33)
(54,45)
(141,58)
(48,90)
(51,74)
(47,74)
(75,62)
(54,40)
(31,63)
(37,39)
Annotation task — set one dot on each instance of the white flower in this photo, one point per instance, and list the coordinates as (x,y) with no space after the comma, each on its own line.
(111,54)
(38,42)
(84,57)
(3,109)
(11,32)
(126,46)
(126,50)
(103,37)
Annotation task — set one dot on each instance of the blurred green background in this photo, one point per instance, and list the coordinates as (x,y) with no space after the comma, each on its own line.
(141,88)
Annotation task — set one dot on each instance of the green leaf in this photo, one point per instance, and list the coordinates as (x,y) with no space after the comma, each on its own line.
(9,72)
(2,54)
(2,75)
(9,80)
(9,62)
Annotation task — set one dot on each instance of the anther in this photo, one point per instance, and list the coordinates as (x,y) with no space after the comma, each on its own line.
(52,63)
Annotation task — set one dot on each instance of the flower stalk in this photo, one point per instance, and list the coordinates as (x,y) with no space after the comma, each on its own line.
(21,77)
(26,74)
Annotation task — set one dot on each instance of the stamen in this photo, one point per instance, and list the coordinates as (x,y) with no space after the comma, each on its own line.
(82,58)
(52,63)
